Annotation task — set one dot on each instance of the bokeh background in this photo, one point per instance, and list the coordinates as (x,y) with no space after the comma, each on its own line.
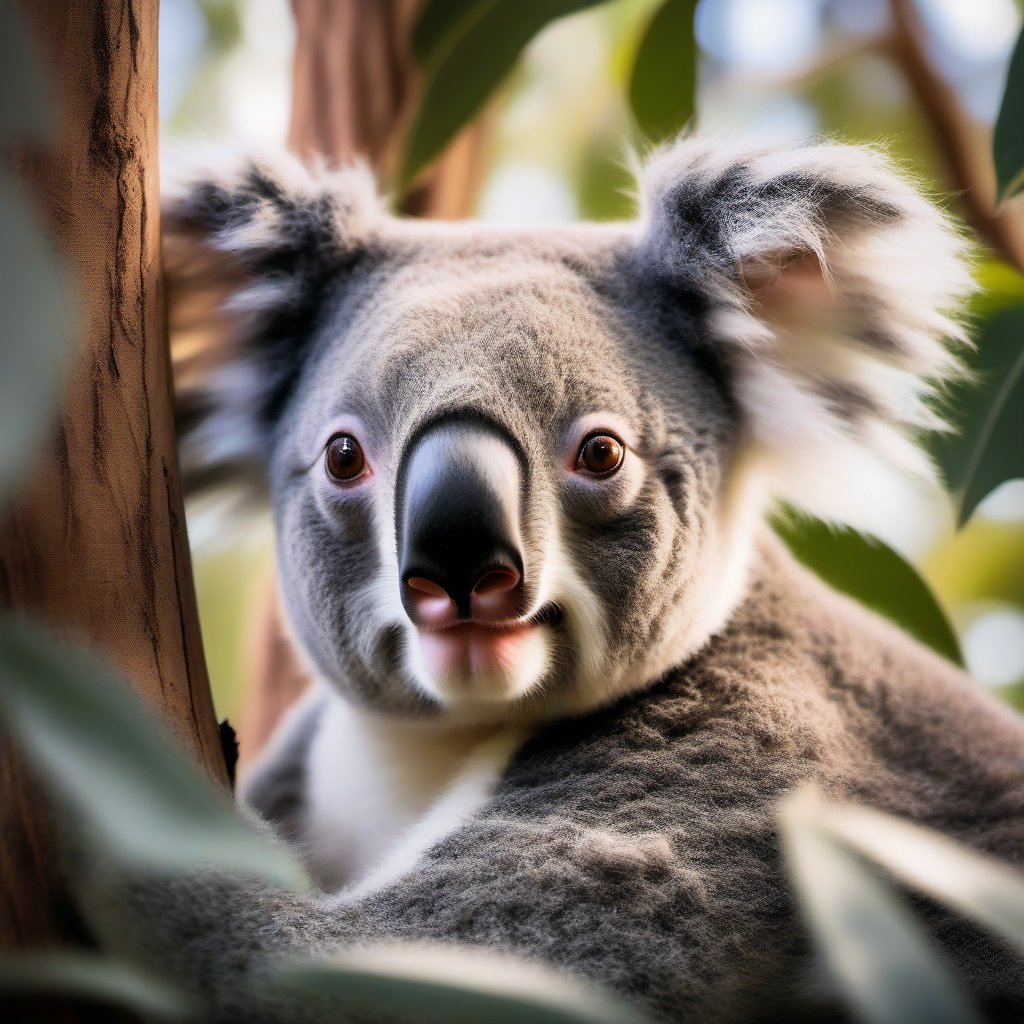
(558,138)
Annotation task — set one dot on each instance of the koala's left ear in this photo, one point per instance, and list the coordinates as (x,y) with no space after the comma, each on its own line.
(831,283)
(253,246)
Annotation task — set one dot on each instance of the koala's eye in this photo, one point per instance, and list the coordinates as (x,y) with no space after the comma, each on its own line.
(600,455)
(344,458)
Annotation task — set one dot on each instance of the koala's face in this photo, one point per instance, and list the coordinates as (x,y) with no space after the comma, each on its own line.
(517,473)
(497,483)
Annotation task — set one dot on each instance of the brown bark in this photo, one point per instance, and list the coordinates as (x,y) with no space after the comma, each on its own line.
(97,546)
(355,85)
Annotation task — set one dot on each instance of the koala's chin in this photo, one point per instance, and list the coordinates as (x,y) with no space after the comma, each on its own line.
(470,664)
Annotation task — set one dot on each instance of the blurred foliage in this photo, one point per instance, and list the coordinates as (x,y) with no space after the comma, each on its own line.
(882,957)
(467,49)
(223,25)
(26,103)
(870,571)
(984,562)
(442,993)
(987,891)
(34,298)
(440,24)
(664,80)
(33,293)
(137,807)
(989,447)
(90,738)
(95,978)
(1008,143)
(1000,287)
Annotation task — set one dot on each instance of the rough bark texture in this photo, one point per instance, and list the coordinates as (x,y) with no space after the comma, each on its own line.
(97,546)
(355,85)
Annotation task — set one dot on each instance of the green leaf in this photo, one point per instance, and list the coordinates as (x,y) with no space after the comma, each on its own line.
(440,23)
(880,955)
(988,449)
(664,82)
(446,986)
(874,574)
(463,76)
(140,800)
(1000,287)
(26,108)
(35,338)
(986,890)
(94,978)
(1008,142)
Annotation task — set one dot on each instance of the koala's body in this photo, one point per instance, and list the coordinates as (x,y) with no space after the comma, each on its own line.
(563,671)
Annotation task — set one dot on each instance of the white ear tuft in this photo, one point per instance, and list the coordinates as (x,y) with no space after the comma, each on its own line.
(832,285)
(251,247)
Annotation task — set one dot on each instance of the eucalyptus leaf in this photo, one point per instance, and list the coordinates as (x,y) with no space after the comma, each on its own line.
(980,887)
(874,574)
(880,955)
(139,799)
(1008,141)
(26,107)
(35,338)
(461,77)
(445,986)
(662,89)
(440,23)
(95,978)
(989,446)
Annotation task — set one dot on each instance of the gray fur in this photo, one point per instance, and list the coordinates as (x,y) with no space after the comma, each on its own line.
(632,841)
(637,845)
(276,786)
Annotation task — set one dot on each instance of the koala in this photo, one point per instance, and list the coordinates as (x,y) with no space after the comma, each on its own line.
(563,670)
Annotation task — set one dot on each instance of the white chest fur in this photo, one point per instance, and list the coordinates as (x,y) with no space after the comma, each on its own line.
(381,792)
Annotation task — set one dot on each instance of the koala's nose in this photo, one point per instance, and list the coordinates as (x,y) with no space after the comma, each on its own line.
(460,548)
(495,597)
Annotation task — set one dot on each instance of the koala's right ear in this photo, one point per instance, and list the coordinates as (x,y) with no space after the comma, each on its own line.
(833,289)
(251,249)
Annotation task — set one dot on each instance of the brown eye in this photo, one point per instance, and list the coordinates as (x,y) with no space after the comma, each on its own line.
(600,455)
(344,458)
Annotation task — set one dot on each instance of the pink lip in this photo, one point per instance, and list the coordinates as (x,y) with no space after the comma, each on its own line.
(469,648)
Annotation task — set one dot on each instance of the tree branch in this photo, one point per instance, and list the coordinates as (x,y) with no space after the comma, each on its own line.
(962,144)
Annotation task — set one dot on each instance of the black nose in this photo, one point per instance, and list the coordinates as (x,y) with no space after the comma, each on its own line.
(459,543)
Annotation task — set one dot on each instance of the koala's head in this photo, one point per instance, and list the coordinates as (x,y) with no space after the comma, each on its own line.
(518,471)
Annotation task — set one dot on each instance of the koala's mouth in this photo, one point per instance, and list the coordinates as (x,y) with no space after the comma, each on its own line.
(550,614)
(473,649)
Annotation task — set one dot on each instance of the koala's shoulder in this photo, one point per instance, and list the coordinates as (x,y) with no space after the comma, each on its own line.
(804,685)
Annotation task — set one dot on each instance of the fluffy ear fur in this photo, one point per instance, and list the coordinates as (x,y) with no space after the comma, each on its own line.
(831,281)
(250,251)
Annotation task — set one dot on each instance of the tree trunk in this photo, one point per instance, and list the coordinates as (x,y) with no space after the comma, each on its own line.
(354,87)
(355,84)
(97,545)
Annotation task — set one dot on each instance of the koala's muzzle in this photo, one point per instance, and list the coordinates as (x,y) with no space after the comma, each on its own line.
(459,539)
